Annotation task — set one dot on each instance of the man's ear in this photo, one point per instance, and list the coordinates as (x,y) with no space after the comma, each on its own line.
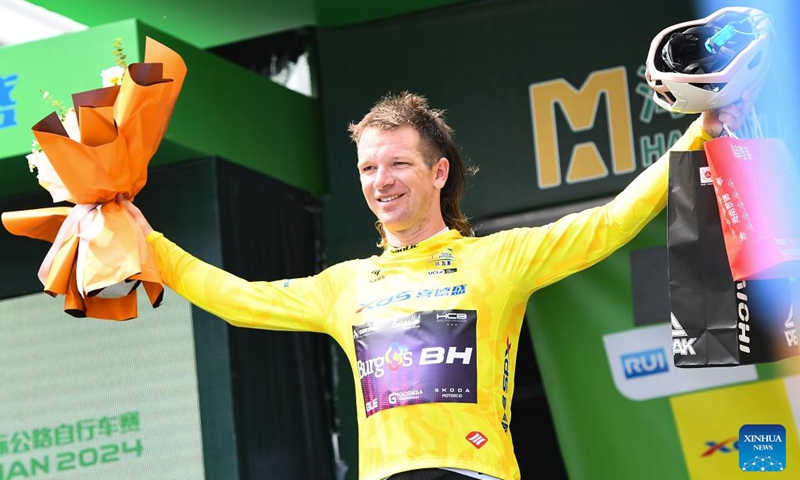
(441,170)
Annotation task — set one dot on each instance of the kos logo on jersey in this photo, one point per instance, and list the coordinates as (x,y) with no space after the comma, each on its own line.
(409,294)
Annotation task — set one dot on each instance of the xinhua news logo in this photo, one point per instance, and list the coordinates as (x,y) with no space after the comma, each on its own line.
(762,448)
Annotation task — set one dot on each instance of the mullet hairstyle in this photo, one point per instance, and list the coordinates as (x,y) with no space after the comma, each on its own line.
(409,109)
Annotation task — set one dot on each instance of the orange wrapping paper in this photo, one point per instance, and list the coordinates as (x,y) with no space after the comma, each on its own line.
(99,255)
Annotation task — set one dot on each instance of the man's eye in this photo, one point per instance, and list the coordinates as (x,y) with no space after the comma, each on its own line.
(367,169)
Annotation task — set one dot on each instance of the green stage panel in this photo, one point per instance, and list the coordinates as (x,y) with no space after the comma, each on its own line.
(223,110)
(211,23)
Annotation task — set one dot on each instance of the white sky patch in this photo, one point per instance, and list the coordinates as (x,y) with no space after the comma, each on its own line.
(22,22)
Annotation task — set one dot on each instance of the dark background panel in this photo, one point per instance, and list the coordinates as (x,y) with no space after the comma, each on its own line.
(281,380)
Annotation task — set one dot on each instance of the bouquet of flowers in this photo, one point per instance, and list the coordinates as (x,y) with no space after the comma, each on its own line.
(102,148)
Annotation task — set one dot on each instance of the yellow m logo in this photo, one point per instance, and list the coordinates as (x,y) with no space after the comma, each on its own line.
(580,109)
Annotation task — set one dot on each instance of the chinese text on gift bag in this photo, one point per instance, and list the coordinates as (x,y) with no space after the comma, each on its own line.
(757,194)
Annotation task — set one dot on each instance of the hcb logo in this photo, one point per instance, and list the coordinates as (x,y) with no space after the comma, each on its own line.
(580,109)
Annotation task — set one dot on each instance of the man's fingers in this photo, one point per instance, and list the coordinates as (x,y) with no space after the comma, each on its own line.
(735,114)
(747,101)
(123,201)
(729,118)
(137,214)
(128,205)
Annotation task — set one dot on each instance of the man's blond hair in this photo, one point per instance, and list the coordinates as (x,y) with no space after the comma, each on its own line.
(409,109)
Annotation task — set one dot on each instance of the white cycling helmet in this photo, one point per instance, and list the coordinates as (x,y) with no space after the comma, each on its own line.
(708,63)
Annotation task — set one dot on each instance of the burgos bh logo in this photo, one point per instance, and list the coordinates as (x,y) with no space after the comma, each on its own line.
(762,448)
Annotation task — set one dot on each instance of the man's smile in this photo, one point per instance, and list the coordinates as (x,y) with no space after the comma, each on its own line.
(390,198)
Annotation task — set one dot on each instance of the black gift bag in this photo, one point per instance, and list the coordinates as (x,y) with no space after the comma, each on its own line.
(717,321)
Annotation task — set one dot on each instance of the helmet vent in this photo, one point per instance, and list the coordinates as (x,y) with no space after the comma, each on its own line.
(755,61)
(668,96)
(711,87)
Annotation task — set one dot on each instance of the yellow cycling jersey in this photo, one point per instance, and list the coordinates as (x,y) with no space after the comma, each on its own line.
(430,330)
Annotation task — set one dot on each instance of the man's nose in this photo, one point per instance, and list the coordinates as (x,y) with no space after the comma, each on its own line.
(383,178)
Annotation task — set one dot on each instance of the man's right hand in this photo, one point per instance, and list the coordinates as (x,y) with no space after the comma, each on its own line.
(135,213)
(733,116)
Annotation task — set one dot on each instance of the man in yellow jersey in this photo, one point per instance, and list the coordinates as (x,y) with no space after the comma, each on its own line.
(428,324)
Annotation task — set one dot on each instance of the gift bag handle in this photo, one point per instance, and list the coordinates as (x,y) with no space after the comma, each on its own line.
(756,133)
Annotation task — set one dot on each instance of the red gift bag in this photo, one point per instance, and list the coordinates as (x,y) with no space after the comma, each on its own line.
(758,199)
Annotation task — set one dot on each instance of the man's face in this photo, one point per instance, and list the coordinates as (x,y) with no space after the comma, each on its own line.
(400,189)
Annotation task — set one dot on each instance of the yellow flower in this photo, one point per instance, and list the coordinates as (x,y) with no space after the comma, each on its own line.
(112,76)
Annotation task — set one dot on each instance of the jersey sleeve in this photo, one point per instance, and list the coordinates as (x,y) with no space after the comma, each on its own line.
(297,304)
(539,256)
